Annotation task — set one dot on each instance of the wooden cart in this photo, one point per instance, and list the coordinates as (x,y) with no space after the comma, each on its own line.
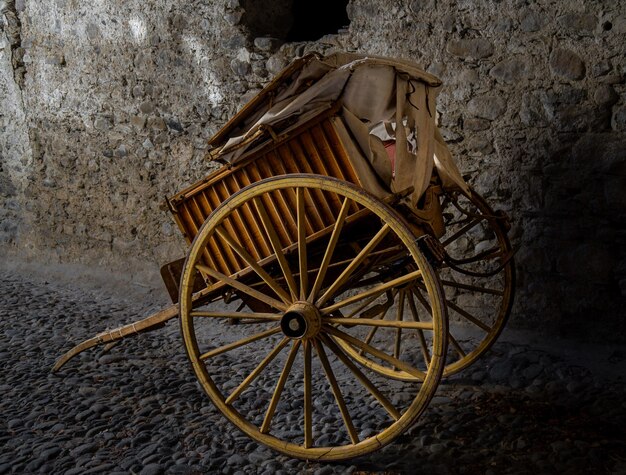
(357,263)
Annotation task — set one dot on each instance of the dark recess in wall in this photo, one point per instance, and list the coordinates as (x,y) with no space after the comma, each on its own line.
(312,20)
(297,20)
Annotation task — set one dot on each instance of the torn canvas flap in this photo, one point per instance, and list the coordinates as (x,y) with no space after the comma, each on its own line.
(448,171)
(385,106)
(369,94)
(371,146)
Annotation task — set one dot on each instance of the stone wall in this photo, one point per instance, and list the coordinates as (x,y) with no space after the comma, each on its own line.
(106,107)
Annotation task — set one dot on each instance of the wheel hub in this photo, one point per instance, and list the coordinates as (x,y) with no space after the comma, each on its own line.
(301,320)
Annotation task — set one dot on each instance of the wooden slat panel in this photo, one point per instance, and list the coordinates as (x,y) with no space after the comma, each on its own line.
(215,247)
(292,166)
(234,258)
(244,232)
(256,239)
(337,155)
(269,166)
(251,217)
(315,149)
(256,174)
(307,158)
(290,197)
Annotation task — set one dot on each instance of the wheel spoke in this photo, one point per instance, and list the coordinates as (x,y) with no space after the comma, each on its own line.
(475,288)
(276,246)
(254,265)
(371,322)
(266,317)
(243,287)
(370,335)
(462,231)
(265,427)
(486,255)
(330,249)
(372,291)
(468,316)
(380,397)
(369,247)
(456,345)
(362,306)
(420,333)
(239,343)
(421,299)
(302,257)
(399,315)
(345,415)
(257,371)
(308,403)
(457,309)
(374,351)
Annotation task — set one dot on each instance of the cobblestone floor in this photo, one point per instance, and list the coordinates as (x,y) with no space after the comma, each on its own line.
(137,409)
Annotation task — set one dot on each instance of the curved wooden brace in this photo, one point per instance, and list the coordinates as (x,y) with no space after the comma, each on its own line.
(149,323)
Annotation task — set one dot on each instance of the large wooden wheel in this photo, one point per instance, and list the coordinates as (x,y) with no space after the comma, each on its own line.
(478,278)
(281,375)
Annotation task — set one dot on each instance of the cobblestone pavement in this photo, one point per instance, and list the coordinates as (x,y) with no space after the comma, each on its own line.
(138,409)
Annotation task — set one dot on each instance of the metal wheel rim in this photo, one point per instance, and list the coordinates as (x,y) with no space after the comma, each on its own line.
(388,216)
(503,310)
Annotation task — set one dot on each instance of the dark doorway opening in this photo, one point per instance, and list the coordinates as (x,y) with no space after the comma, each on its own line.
(314,19)
(295,20)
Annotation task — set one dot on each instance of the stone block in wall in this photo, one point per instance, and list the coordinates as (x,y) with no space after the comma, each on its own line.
(514,70)
(475,48)
(487,106)
(605,95)
(472,124)
(532,111)
(619,118)
(479,145)
(239,67)
(581,24)
(531,21)
(567,64)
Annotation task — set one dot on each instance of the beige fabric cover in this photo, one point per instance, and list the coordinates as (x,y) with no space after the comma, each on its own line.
(376,94)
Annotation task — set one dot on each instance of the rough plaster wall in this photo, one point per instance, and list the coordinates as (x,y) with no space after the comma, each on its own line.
(119,98)
(15,153)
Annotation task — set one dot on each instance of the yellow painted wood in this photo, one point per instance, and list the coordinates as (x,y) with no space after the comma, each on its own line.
(354,263)
(257,371)
(344,194)
(254,265)
(269,414)
(302,258)
(330,250)
(355,322)
(242,287)
(378,290)
(461,357)
(341,404)
(239,343)
(365,381)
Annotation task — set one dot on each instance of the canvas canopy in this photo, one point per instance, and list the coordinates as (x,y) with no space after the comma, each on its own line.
(381,101)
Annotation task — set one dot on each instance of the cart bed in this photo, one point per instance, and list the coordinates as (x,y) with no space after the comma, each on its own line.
(318,146)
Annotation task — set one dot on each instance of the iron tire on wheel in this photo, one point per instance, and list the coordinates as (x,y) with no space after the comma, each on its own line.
(300,297)
(489,281)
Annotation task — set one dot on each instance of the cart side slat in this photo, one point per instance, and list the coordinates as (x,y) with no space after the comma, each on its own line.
(230,186)
(306,161)
(270,168)
(312,148)
(257,174)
